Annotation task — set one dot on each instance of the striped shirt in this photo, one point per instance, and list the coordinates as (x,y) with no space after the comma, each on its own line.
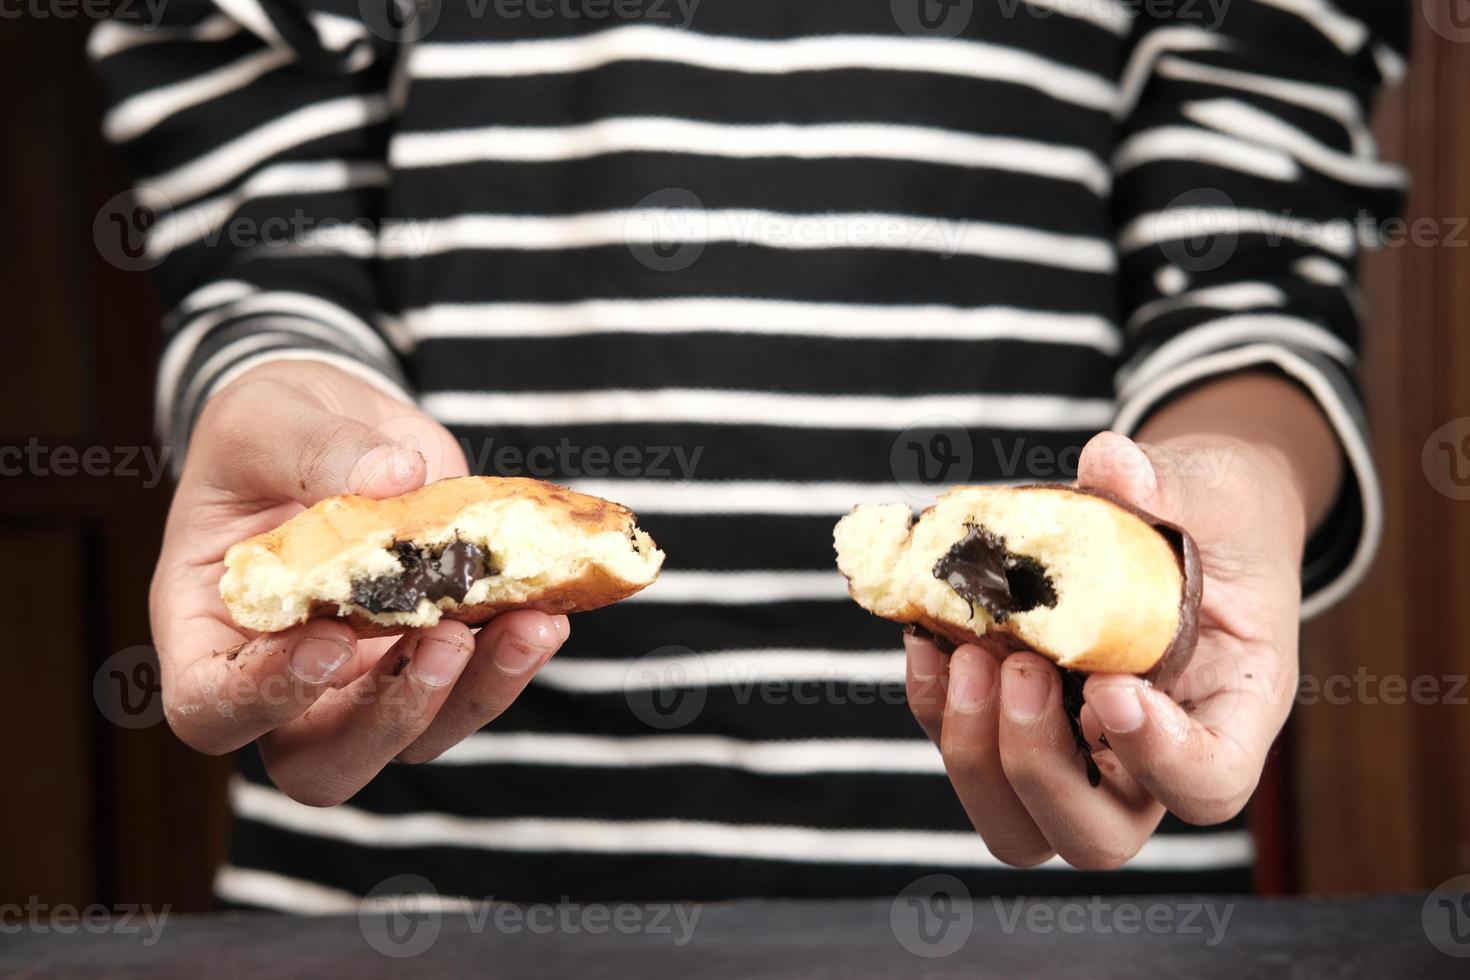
(742,264)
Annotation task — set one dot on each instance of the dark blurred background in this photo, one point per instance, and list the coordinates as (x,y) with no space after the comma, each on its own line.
(1369,788)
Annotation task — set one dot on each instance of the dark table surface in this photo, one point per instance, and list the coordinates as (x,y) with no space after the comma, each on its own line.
(1093,938)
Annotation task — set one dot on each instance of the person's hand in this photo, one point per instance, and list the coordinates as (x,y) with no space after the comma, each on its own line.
(329,711)
(1197,748)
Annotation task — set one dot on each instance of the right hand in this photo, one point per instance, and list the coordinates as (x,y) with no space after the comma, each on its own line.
(329,709)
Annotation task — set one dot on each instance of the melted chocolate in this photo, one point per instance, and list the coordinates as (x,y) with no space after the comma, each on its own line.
(445,575)
(981,570)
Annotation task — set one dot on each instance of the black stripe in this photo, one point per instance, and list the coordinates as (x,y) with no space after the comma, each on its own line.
(855,95)
(909,452)
(818,365)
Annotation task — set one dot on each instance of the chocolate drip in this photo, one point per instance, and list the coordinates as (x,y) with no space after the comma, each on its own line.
(447,574)
(981,570)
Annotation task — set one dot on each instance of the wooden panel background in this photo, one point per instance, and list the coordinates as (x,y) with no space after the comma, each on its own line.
(90,811)
(1383,790)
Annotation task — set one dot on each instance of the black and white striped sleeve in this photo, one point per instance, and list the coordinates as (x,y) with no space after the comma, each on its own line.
(257,132)
(1246,184)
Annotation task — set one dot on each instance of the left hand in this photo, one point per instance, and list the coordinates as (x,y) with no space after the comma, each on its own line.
(1196,749)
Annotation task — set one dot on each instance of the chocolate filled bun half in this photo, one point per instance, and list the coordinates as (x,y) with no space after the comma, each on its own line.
(1078,576)
(467,548)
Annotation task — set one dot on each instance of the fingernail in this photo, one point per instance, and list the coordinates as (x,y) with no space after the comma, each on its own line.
(562,625)
(390,465)
(317,658)
(438,661)
(1117,706)
(516,653)
(402,465)
(971,684)
(1023,693)
(925,660)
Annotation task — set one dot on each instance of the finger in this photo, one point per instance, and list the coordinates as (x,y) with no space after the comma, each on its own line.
(508,652)
(1091,827)
(970,745)
(1203,768)
(222,691)
(926,675)
(332,751)
(1149,477)
(284,449)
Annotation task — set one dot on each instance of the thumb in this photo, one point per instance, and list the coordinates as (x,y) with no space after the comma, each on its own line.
(289,449)
(1140,475)
(329,454)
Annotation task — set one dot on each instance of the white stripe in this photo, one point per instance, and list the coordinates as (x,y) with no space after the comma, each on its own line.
(1110,15)
(110,37)
(739,669)
(1344,31)
(728,407)
(969,59)
(1391,64)
(743,588)
(187,225)
(249,886)
(208,295)
(657,134)
(1231,296)
(135,116)
(1338,236)
(1325,272)
(267,889)
(758,316)
(743,496)
(1154,46)
(768,229)
(1337,104)
(1247,122)
(1229,332)
(1202,146)
(355,334)
(1137,407)
(224,163)
(912,755)
(755,841)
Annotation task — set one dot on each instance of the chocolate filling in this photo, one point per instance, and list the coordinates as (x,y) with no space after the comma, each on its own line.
(445,574)
(981,570)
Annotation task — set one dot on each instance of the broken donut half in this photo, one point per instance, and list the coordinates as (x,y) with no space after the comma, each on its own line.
(467,548)
(1075,575)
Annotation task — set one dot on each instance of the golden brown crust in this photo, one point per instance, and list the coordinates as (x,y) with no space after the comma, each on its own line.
(344,521)
(335,532)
